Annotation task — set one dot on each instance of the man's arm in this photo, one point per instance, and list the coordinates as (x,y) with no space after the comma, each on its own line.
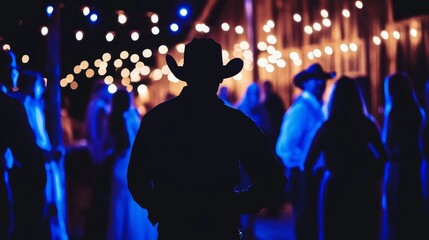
(264,169)
(288,146)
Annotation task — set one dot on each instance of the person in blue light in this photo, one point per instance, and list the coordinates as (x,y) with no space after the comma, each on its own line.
(403,123)
(349,200)
(22,212)
(127,220)
(298,127)
(32,87)
(184,164)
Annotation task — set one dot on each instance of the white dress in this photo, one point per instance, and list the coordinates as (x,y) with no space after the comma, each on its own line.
(127,220)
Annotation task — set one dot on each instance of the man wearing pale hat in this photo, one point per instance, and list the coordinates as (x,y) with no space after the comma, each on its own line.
(184,164)
(299,125)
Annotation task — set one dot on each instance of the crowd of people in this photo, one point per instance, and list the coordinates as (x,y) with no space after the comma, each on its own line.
(193,165)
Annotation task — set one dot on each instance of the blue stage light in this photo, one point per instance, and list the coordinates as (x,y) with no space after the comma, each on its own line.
(174,27)
(93,17)
(49,10)
(183,12)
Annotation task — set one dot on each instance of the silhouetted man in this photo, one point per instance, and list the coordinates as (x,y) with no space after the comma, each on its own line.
(185,160)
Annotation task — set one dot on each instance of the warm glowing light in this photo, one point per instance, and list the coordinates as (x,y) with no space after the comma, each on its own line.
(294,56)
(162,49)
(272,59)
(106,57)
(225,26)
(172,78)
(102,71)
(269,68)
(84,64)
(271,49)
(89,73)
(329,50)
(297,17)
(44,30)
(199,27)
(143,91)
(317,53)
(310,55)
(281,63)
(346,13)
(157,74)
(108,80)
(396,34)
(238,76)
(326,22)
(154,18)
(180,48)
(63,82)
(124,54)
(266,28)
(145,70)
(147,53)
(262,46)
(308,29)
(85,11)
(262,62)
(97,62)
(271,39)
(155,30)
(69,78)
(324,13)
(134,58)
(317,26)
(6,47)
(79,35)
(376,40)
(344,47)
(74,85)
(110,36)
(239,29)
(135,36)
(206,28)
(165,70)
(77,69)
(122,19)
(125,72)
(297,62)
(225,55)
(103,64)
(125,81)
(25,58)
(384,34)
(359,4)
(244,45)
(353,47)
(117,63)
(413,32)
(270,23)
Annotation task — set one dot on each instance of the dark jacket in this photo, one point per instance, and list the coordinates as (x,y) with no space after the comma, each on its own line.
(186,161)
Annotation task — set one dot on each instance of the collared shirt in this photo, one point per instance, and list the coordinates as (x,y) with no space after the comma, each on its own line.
(299,125)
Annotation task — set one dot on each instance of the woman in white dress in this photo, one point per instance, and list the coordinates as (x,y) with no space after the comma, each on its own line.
(127,220)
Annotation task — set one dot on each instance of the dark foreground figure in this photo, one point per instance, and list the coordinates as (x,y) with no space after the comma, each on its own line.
(190,152)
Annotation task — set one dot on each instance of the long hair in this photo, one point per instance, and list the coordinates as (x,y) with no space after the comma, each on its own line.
(346,101)
(399,92)
(121,102)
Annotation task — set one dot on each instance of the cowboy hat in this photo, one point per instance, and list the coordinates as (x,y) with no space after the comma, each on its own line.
(203,57)
(313,71)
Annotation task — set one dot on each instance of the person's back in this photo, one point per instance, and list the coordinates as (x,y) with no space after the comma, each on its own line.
(185,160)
